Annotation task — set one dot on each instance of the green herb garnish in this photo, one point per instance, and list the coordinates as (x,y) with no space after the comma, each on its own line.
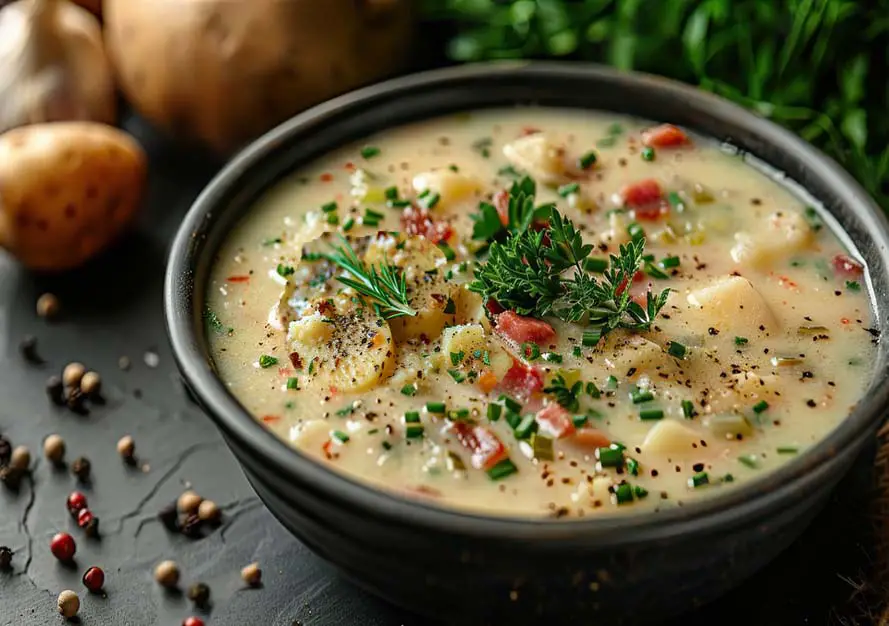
(266,361)
(565,395)
(369,152)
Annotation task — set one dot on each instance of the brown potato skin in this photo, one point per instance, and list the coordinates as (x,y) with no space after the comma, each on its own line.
(67,190)
(222,72)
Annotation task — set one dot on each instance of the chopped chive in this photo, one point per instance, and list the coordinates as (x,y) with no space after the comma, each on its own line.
(450,307)
(632,466)
(457,375)
(435,407)
(333,219)
(567,190)
(285,270)
(676,201)
(448,251)
(648,153)
(591,337)
(750,460)
(623,493)
(728,478)
(458,414)
(580,420)
(348,224)
(699,480)
(760,406)
(510,403)
(373,214)
(430,200)
(813,218)
(677,349)
(531,350)
(369,152)
(409,390)
(311,367)
(688,409)
(373,431)
(525,427)
(398,204)
(494,411)
(293,383)
(552,357)
(391,193)
(266,361)
(370,221)
(509,170)
(593,391)
(853,285)
(339,436)
(413,431)
(576,351)
(595,264)
(638,397)
(587,160)
(486,357)
(640,491)
(787,450)
(636,232)
(651,414)
(594,414)
(412,417)
(610,457)
(741,341)
(655,272)
(512,418)
(611,382)
(503,469)
(346,410)
(457,357)
(329,207)
(386,445)
(669,262)
(424,193)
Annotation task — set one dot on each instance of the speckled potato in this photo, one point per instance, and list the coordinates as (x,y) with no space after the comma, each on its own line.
(67,190)
(224,72)
(540,155)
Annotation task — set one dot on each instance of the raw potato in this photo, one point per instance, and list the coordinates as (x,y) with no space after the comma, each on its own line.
(354,353)
(732,304)
(67,189)
(451,186)
(224,72)
(540,156)
(784,233)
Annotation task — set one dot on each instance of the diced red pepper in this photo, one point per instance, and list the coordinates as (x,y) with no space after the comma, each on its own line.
(268,419)
(493,306)
(486,448)
(417,221)
(591,438)
(555,421)
(638,277)
(501,203)
(847,267)
(242,278)
(651,212)
(664,136)
(642,193)
(521,329)
(521,381)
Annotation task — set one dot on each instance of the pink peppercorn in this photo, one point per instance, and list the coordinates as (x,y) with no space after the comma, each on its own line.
(94,579)
(63,547)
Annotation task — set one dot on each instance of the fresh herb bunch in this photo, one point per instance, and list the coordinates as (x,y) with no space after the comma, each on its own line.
(540,273)
(521,213)
(384,285)
(818,67)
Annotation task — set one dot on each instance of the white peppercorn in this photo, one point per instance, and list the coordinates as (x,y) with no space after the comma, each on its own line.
(69,604)
(54,448)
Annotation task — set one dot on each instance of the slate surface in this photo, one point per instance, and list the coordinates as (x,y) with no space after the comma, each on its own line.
(113,308)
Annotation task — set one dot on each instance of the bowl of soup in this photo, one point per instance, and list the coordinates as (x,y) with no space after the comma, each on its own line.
(536,342)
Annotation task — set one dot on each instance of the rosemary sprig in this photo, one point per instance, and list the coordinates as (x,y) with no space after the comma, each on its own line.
(384,284)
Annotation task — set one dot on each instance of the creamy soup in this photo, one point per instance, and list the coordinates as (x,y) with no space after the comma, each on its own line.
(541,312)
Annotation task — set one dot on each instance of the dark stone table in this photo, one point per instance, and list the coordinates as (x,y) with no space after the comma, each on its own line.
(112,309)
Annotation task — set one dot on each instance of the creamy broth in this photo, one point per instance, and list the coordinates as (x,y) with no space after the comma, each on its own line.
(761,349)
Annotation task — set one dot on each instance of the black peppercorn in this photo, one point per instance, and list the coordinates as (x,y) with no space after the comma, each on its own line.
(92,528)
(199,593)
(81,468)
(11,477)
(28,348)
(191,526)
(169,517)
(5,559)
(5,450)
(55,390)
(76,401)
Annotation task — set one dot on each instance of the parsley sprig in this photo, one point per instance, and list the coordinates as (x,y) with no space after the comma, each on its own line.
(540,273)
(521,213)
(564,394)
(384,284)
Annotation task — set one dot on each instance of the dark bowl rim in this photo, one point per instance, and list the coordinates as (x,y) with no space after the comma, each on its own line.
(773,491)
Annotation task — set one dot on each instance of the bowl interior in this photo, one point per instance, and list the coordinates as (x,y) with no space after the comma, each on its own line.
(844,206)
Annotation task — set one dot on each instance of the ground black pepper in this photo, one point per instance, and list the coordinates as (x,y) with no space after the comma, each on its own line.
(169,517)
(81,468)
(5,559)
(5,450)
(55,390)
(199,593)
(28,349)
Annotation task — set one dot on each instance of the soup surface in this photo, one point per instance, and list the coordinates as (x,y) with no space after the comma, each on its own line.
(540,312)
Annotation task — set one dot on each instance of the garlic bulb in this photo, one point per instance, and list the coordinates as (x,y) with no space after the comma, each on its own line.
(52,65)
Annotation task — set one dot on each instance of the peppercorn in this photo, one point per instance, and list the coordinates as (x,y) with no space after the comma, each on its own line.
(126,448)
(91,384)
(5,559)
(94,579)
(5,450)
(189,502)
(20,458)
(191,526)
(169,517)
(63,547)
(72,374)
(48,306)
(209,512)
(75,400)
(252,575)
(192,621)
(55,389)
(81,468)
(54,448)
(91,530)
(199,593)
(69,604)
(28,349)
(11,477)
(167,574)
(76,503)
(84,517)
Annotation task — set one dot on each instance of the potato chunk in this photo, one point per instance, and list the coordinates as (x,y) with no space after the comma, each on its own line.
(671,437)
(539,155)
(732,304)
(784,233)
(626,353)
(451,186)
(479,351)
